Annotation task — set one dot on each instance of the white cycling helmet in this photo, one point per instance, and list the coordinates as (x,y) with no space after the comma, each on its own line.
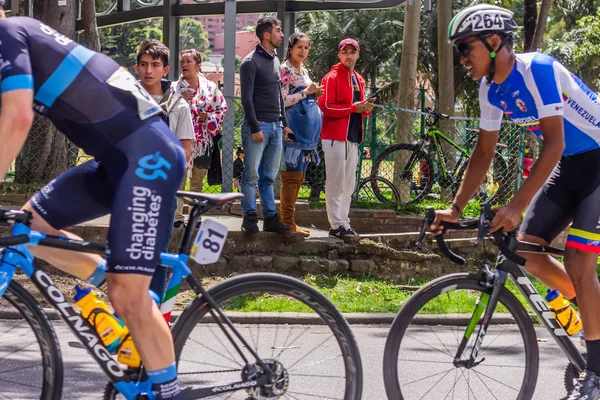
(479,20)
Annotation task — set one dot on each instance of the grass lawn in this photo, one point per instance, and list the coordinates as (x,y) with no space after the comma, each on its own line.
(366,295)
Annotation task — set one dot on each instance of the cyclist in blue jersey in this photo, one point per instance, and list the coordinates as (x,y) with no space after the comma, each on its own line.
(563,186)
(137,168)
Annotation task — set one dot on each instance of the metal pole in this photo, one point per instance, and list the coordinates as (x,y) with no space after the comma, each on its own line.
(422,97)
(171,36)
(123,5)
(229,92)
(286,32)
(28,8)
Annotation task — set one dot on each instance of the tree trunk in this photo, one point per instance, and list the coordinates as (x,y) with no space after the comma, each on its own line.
(45,154)
(406,98)
(445,99)
(90,26)
(529,23)
(541,25)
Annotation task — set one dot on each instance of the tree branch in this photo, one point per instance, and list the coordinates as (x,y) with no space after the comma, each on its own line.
(541,25)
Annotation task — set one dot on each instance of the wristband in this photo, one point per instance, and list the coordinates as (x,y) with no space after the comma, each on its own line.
(456,207)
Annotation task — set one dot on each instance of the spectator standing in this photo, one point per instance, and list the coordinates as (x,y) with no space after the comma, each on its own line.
(152,66)
(344,107)
(208,108)
(305,120)
(264,126)
(238,169)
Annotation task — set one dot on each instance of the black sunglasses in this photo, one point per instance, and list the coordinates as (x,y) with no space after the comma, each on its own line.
(465,48)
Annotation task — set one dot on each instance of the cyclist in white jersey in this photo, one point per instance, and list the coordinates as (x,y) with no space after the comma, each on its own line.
(563,187)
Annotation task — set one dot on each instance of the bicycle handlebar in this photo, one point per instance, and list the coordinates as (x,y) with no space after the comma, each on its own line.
(482,226)
(435,114)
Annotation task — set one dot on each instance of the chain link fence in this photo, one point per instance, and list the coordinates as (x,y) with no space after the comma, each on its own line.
(427,169)
(428,163)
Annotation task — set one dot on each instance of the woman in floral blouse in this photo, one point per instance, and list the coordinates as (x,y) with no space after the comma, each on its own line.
(304,119)
(208,108)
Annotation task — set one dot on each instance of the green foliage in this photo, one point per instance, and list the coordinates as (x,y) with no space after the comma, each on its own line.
(120,42)
(578,48)
(193,36)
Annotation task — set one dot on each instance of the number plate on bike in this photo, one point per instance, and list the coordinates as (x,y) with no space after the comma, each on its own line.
(209,242)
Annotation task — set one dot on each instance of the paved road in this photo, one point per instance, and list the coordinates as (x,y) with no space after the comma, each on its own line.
(84,381)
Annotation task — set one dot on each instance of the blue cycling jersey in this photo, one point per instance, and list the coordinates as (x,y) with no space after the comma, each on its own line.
(539,87)
(100,107)
(85,94)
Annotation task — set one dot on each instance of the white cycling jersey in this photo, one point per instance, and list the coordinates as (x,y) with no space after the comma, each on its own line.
(539,87)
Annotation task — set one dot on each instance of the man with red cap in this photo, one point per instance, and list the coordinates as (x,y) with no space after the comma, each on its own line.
(344,107)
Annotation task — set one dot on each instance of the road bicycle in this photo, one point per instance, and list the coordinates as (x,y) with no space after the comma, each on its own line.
(415,168)
(486,347)
(227,343)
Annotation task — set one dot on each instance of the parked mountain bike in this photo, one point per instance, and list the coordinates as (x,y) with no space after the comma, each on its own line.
(414,169)
(486,347)
(226,345)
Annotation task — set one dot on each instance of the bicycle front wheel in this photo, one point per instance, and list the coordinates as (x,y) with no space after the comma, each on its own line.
(31,366)
(291,326)
(420,360)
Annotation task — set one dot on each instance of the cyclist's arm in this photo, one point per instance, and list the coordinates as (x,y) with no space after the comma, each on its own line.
(16,118)
(478,166)
(552,129)
(16,87)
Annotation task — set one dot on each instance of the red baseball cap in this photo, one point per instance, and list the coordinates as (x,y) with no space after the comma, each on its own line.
(348,42)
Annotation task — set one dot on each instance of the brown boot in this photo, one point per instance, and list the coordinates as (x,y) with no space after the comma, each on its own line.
(287,199)
(300,181)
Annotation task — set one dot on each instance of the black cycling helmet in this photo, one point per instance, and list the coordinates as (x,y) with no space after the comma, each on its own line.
(481,21)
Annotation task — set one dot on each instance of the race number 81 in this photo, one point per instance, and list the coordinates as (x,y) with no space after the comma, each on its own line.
(209,242)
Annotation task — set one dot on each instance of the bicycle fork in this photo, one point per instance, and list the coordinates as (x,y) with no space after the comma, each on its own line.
(486,305)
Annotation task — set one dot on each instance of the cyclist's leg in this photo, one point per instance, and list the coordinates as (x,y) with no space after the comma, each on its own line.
(79,194)
(144,193)
(549,213)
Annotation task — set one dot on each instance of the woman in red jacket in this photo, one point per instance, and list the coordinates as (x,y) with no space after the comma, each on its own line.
(344,107)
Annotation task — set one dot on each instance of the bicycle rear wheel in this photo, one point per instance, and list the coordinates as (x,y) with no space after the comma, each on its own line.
(31,366)
(386,191)
(287,323)
(410,170)
(419,360)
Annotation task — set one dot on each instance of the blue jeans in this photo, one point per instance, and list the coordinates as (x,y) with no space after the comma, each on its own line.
(261,164)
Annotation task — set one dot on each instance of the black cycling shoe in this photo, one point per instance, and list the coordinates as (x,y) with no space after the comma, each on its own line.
(250,224)
(274,224)
(587,387)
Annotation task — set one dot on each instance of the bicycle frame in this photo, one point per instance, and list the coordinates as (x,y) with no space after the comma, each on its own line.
(507,268)
(434,135)
(20,256)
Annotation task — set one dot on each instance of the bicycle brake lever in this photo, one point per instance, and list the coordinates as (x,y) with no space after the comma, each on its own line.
(427,220)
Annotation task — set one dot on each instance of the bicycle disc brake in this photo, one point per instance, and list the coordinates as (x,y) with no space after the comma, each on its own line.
(277,386)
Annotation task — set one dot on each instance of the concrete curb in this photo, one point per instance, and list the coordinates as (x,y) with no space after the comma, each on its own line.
(311,319)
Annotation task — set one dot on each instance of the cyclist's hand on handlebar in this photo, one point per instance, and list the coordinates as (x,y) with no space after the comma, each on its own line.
(449,215)
(507,218)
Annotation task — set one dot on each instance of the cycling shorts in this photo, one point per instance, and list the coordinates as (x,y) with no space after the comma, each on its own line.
(135,182)
(570,195)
